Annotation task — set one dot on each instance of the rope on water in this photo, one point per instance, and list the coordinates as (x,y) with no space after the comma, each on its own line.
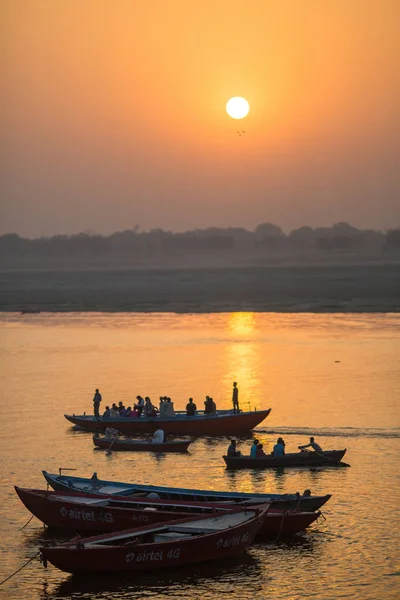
(20,569)
(26,523)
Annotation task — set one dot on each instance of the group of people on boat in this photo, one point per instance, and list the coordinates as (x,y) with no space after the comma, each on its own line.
(257,449)
(145,407)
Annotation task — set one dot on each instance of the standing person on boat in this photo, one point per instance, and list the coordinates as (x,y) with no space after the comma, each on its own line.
(316,447)
(162,406)
(253,449)
(158,436)
(232,449)
(191,408)
(96,403)
(279,448)
(169,408)
(235,398)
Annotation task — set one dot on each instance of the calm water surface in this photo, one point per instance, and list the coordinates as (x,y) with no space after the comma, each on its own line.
(332,376)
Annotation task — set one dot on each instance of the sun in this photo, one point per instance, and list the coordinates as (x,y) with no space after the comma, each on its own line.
(237,107)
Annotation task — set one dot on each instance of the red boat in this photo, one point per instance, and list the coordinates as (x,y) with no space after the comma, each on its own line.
(140,445)
(174,543)
(85,512)
(224,423)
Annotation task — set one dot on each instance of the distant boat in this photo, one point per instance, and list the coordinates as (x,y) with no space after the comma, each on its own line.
(295,459)
(84,512)
(140,445)
(30,311)
(101,487)
(224,423)
(174,543)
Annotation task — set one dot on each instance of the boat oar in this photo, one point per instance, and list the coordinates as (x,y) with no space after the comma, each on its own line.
(335,462)
(111,445)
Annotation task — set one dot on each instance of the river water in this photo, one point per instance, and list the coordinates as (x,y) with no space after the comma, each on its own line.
(332,376)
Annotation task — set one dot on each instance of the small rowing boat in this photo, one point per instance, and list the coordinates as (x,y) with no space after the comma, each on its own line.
(84,512)
(223,423)
(295,459)
(103,487)
(116,443)
(174,543)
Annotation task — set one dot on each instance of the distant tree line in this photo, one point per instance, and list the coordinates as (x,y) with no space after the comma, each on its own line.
(266,239)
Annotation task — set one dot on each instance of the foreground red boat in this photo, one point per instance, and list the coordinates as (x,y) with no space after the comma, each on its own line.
(117,443)
(84,512)
(224,423)
(175,543)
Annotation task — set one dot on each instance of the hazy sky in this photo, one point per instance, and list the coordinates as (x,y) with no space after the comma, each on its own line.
(114,114)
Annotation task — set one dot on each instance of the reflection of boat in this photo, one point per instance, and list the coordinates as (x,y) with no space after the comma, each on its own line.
(101,487)
(174,543)
(140,445)
(224,423)
(295,459)
(85,512)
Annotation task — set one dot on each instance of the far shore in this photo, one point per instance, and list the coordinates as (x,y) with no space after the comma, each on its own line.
(326,288)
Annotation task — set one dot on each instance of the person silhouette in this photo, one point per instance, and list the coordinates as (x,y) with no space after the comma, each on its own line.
(235,398)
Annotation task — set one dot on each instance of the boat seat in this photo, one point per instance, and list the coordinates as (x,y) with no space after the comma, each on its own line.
(169,536)
(197,530)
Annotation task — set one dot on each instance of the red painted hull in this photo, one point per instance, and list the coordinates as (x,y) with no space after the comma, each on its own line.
(137,446)
(224,424)
(133,556)
(66,511)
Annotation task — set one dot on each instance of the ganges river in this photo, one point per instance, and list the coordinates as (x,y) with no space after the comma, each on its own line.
(333,376)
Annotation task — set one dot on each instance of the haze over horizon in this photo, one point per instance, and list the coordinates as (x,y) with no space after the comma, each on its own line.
(115,115)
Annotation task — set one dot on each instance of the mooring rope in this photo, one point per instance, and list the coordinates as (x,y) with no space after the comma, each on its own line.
(280,528)
(26,523)
(20,569)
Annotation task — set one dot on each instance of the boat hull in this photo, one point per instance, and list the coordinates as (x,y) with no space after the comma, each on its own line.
(224,424)
(70,511)
(298,459)
(103,487)
(134,557)
(138,446)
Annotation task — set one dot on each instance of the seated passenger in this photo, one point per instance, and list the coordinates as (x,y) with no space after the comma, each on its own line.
(253,449)
(126,412)
(260,451)
(148,406)
(114,414)
(232,449)
(210,408)
(106,413)
(279,448)
(191,408)
(134,413)
(158,436)
(120,407)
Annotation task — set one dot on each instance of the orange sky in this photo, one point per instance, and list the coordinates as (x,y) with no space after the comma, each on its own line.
(115,114)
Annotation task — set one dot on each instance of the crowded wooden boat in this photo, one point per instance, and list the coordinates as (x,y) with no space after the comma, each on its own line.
(222,423)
